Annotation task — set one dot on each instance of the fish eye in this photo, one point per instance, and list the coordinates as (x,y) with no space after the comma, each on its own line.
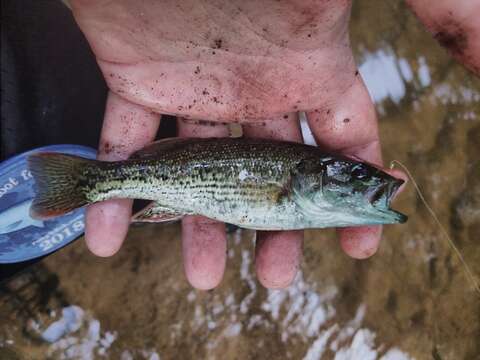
(316,187)
(359,172)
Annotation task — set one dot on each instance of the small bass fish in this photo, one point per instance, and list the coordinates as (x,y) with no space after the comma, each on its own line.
(253,183)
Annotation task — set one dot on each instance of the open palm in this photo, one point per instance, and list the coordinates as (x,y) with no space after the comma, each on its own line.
(255,63)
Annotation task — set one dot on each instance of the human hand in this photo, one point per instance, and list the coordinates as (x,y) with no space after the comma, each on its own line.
(455,25)
(255,63)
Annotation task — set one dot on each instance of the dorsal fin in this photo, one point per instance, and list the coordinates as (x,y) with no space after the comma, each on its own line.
(161,146)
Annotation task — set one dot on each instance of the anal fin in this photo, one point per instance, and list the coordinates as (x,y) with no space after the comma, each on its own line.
(156,213)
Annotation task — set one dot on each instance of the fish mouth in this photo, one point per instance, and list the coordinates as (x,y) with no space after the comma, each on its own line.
(385,191)
(381,197)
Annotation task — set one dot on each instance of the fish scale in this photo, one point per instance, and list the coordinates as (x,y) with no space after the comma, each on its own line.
(214,187)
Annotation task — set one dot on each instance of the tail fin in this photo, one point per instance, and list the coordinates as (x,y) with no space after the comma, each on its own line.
(57,189)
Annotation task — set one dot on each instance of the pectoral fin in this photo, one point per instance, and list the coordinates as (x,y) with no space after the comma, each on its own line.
(155,213)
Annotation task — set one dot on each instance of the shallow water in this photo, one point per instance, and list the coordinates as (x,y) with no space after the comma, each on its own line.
(411,300)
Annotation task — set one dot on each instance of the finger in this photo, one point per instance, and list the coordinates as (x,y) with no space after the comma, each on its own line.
(277,257)
(454,24)
(204,240)
(350,127)
(126,128)
(277,253)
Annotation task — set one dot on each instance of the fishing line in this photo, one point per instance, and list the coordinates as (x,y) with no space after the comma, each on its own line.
(450,242)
